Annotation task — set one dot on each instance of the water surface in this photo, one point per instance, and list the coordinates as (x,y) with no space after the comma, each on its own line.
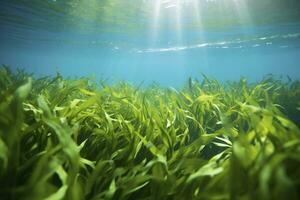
(165,41)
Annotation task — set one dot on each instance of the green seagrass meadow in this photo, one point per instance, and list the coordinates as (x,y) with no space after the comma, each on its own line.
(79,139)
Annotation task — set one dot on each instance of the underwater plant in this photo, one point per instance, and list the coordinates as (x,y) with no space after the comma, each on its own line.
(77,139)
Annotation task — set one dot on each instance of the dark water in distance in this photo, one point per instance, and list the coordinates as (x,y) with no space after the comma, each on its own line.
(165,41)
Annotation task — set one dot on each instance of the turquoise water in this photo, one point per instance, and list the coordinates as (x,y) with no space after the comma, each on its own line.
(163,41)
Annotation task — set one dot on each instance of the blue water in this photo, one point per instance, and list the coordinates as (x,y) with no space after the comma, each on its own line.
(122,44)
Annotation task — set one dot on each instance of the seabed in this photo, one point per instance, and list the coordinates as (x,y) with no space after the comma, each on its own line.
(80,139)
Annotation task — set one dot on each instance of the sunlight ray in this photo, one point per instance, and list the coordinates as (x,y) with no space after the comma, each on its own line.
(178,21)
(242,11)
(156,20)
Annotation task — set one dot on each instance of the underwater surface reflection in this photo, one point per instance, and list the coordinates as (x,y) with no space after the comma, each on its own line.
(161,41)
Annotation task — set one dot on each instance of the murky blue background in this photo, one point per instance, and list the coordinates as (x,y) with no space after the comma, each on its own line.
(165,41)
